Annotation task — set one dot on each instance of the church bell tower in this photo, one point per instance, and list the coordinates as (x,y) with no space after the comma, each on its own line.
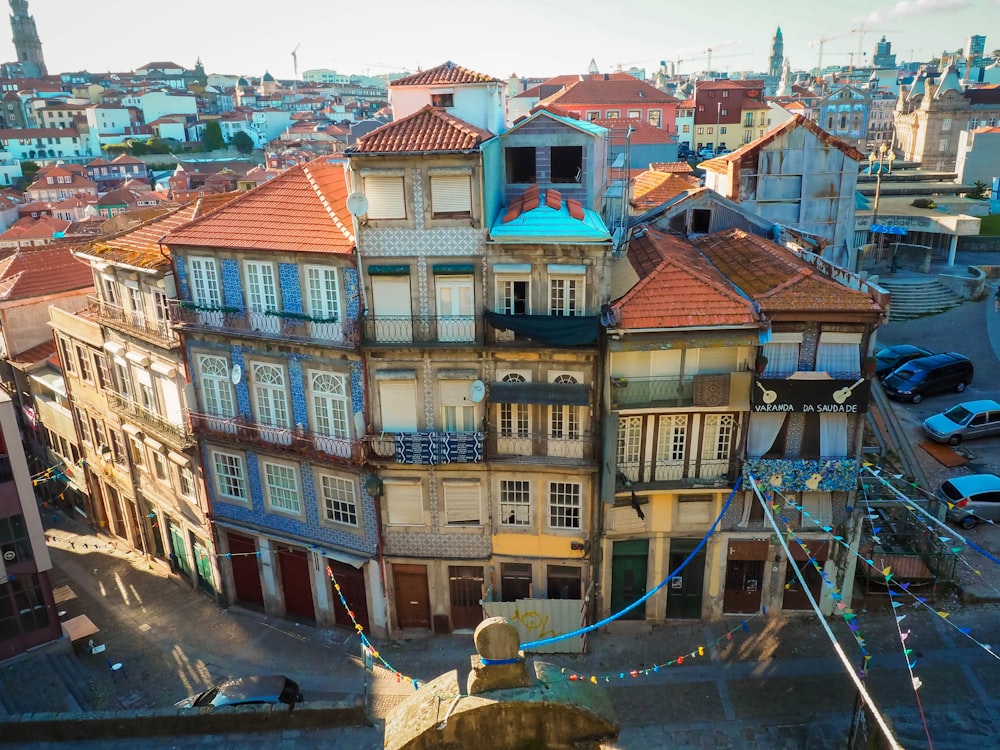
(26,42)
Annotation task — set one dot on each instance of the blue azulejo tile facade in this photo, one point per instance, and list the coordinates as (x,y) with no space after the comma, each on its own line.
(180,271)
(300,411)
(291,291)
(352,293)
(242,389)
(310,528)
(232,290)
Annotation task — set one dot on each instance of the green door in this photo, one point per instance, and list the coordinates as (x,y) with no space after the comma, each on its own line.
(684,589)
(628,576)
(178,553)
(203,564)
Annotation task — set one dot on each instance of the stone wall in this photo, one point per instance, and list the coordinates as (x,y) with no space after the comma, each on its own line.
(48,727)
(977,244)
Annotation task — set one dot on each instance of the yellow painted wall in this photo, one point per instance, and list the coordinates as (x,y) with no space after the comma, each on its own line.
(537,545)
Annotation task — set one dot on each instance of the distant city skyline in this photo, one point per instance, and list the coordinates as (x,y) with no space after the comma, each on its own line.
(522,37)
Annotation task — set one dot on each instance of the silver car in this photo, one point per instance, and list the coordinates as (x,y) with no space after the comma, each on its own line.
(971,499)
(244,690)
(969,419)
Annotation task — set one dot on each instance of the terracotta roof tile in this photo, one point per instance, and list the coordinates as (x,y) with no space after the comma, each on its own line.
(140,247)
(36,272)
(652,189)
(627,90)
(677,167)
(304,209)
(34,355)
(679,288)
(642,132)
(446,73)
(426,130)
(776,279)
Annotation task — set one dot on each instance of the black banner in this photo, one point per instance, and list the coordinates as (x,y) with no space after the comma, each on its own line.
(810,396)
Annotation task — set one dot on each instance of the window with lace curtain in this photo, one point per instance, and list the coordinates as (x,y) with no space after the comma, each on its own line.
(839,354)
(782,359)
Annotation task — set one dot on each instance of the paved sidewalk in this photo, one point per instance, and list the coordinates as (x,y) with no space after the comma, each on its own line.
(779,685)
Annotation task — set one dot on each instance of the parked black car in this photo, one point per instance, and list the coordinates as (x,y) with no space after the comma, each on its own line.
(244,690)
(888,359)
(927,376)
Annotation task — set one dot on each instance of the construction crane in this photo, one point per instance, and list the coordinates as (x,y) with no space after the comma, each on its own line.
(861,37)
(295,59)
(710,50)
(819,43)
(707,59)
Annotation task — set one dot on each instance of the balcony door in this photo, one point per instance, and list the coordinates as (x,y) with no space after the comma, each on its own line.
(262,297)
(454,307)
(206,292)
(217,393)
(272,403)
(324,303)
(391,300)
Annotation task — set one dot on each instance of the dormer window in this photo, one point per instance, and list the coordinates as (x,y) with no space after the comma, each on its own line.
(442,100)
(520,164)
(567,163)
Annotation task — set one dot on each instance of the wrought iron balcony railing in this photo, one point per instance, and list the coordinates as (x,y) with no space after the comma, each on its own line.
(534,446)
(680,472)
(265,325)
(407,329)
(634,393)
(138,324)
(177,433)
(297,441)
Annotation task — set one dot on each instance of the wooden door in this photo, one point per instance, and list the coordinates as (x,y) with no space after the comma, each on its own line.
(685,589)
(293,565)
(413,600)
(465,584)
(246,572)
(628,576)
(744,579)
(352,586)
(794,596)
(178,550)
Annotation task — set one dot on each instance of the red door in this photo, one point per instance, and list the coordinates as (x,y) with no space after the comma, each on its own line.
(413,599)
(293,567)
(352,586)
(246,573)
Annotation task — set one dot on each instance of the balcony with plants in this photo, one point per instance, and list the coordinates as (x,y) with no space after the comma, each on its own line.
(269,324)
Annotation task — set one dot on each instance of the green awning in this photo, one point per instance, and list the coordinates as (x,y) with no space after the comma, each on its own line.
(453,269)
(399,269)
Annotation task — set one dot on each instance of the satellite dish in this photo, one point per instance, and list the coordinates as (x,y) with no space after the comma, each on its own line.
(236,375)
(477,391)
(357,204)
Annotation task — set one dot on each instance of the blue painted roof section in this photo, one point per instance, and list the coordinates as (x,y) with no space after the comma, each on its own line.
(544,224)
(586,127)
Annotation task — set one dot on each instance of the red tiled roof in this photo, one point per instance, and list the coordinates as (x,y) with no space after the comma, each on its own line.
(44,227)
(730,83)
(427,129)
(34,355)
(674,167)
(36,272)
(679,288)
(776,279)
(445,74)
(140,247)
(613,91)
(642,132)
(653,189)
(304,209)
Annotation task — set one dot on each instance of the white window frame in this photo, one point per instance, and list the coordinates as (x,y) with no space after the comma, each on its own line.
(566,295)
(205,288)
(630,446)
(565,509)
(323,300)
(217,395)
(505,297)
(671,437)
(286,498)
(515,503)
(565,421)
(270,395)
(339,499)
(234,476)
(514,419)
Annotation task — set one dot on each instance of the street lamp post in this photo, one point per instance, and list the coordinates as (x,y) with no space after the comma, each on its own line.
(879,161)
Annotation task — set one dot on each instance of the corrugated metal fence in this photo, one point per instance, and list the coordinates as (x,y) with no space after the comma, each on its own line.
(536,619)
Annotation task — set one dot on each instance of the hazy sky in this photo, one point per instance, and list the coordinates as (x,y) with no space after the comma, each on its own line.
(527,37)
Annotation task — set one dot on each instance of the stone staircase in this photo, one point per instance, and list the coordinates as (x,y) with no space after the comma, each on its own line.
(918,297)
